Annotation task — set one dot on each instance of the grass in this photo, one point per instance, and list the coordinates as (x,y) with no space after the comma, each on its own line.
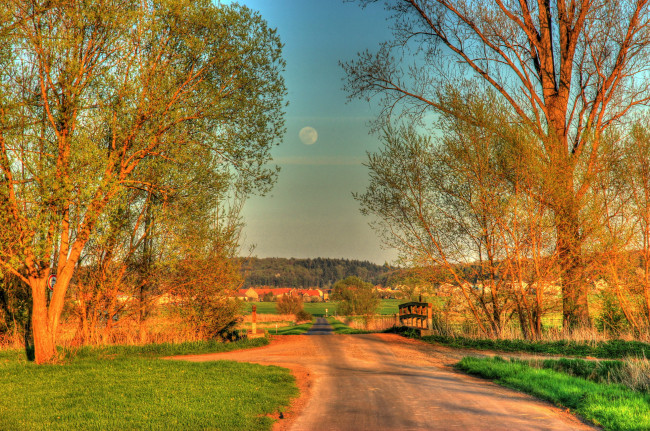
(341,328)
(135,389)
(612,349)
(292,330)
(317,309)
(613,406)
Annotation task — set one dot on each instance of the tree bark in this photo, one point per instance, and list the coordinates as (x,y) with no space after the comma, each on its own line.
(44,345)
(575,305)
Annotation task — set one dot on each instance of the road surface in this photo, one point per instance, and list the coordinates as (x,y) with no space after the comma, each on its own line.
(386,382)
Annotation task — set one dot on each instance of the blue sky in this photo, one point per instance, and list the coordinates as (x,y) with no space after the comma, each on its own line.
(310,211)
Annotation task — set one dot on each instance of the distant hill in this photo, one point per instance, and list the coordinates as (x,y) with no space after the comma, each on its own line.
(319,272)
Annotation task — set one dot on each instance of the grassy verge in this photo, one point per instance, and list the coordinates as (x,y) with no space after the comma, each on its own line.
(613,349)
(292,330)
(160,350)
(341,328)
(134,389)
(613,406)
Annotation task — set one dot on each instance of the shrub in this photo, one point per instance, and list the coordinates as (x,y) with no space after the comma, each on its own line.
(303,316)
(289,305)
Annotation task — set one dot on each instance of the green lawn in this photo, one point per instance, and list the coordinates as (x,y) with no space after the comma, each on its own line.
(613,406)
(317,309)
(137,390)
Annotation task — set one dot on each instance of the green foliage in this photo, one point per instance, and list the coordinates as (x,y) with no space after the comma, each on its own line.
(612,406)
(289,304)
(14,308)
(611,317)
(355,296)
(152,122)
(319,272)
(136,391)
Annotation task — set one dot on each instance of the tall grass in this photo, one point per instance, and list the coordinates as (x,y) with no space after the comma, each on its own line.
(631,372)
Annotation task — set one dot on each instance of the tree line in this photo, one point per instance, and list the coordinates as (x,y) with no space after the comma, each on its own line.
(304,273)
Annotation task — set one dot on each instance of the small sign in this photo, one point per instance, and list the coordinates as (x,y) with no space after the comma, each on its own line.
(51,281)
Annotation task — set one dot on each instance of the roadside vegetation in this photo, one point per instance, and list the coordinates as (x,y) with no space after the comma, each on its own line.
(321,309)
(599,349)
(341,328)
(131,387)
(292,330)
(610,405)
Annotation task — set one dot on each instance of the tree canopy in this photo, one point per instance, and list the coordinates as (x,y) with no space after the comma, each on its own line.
(115,101)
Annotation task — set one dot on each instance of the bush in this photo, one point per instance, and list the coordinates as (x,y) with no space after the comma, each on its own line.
(303,316)
(289,305)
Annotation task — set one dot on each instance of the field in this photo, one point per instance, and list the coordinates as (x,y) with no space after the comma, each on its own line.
(133,388)
(318,309)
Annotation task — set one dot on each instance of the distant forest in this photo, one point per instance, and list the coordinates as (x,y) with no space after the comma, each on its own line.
(319,272)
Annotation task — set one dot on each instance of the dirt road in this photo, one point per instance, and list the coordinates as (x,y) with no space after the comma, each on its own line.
(386,382)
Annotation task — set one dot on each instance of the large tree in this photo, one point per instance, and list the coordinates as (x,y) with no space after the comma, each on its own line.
(95,95)
(566,70)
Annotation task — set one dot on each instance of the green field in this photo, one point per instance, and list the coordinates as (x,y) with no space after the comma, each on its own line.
(118,389)
(317,309)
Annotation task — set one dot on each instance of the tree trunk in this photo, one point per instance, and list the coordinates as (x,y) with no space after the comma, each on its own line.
(44,346)
(575,306)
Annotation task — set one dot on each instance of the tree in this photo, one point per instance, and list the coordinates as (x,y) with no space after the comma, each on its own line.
(447,207)
(565,70)
(97,97)
(289,304)
(355,296)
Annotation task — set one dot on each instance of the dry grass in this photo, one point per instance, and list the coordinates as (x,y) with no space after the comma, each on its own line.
(376,323)
(635,374)
(262,318)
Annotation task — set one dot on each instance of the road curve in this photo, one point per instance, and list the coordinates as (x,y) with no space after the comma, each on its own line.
(385,382)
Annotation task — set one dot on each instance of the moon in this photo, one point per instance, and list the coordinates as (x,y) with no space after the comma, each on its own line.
(308,135)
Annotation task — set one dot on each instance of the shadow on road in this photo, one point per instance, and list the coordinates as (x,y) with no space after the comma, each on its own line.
(321,327)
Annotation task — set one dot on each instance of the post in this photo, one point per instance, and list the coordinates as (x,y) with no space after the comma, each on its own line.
(430,316)
(254,329)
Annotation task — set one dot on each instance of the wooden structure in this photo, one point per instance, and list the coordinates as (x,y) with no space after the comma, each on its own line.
(417,315)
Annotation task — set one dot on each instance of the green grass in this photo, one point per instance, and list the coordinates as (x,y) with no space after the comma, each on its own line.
(137,390)
(292,330)
(390,306)
(317,309)
(612,406)
(613,349)
(160,350)
(341,328)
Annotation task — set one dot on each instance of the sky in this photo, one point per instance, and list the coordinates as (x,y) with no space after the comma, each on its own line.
(311,212)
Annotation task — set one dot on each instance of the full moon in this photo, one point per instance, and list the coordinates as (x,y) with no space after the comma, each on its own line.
(308,135)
